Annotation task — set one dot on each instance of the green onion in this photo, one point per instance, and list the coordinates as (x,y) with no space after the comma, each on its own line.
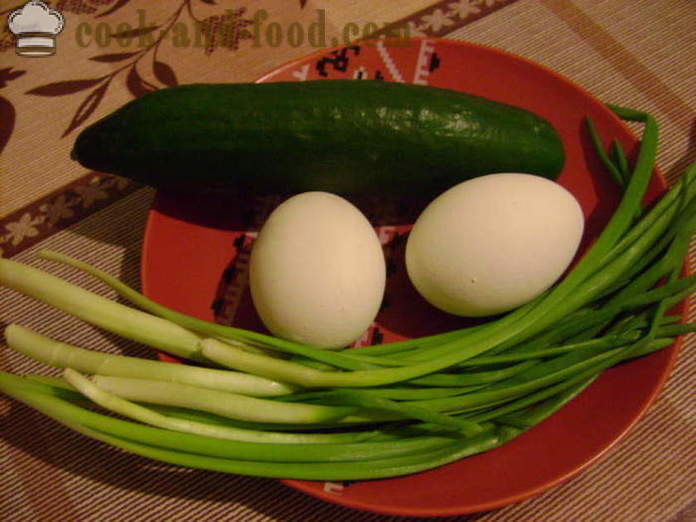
(373,469)
(140,413)
(62,355)
(222,403)
(179,448)
(407,409)
(100,311)
(614,172)
(620,160)
(335,451)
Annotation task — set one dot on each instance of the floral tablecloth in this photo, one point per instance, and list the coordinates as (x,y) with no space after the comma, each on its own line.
(640,53)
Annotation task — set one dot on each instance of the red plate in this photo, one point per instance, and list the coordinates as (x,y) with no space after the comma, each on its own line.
(195,255)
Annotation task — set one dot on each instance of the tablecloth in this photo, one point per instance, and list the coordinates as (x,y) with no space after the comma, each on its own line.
(639,53)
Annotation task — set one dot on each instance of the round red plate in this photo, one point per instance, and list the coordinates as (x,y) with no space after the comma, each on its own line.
(195,256)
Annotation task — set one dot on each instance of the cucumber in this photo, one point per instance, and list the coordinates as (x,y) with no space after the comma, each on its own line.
(342,136)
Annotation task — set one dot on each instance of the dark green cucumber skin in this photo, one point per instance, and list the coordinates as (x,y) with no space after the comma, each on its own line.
(342,136)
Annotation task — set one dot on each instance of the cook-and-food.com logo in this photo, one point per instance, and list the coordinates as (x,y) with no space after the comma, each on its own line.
(35,26)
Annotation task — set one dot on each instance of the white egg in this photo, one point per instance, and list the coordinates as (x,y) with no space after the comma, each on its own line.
(493,243)
(317,271)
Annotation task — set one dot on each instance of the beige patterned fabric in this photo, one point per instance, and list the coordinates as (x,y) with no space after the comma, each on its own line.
(638,53)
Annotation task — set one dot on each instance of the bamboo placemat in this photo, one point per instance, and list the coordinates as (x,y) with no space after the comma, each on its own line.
(638,53)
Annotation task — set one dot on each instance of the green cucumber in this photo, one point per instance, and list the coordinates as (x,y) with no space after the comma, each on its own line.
(343,136)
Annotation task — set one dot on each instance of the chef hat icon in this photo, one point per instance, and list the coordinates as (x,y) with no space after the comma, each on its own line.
(35,26)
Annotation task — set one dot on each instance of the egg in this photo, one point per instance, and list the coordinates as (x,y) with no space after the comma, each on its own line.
(493,243)
(317,271)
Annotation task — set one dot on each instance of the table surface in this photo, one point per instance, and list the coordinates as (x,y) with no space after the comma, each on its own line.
(639,53)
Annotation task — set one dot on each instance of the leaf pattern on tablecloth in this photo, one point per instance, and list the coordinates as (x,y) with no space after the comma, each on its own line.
(224,30)
(64,87)
(7,121)
(132,33)
(112,57)
(164,74)
(87,107)
(118,5)
(75,6)
(137,85)
(7,110)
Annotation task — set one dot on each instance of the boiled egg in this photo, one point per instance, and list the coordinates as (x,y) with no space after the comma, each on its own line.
(493,243)
(317,271)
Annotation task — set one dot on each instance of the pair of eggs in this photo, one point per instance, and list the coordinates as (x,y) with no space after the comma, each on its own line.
(483,247)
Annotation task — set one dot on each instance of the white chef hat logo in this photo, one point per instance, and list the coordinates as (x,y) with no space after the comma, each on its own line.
(35,26)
